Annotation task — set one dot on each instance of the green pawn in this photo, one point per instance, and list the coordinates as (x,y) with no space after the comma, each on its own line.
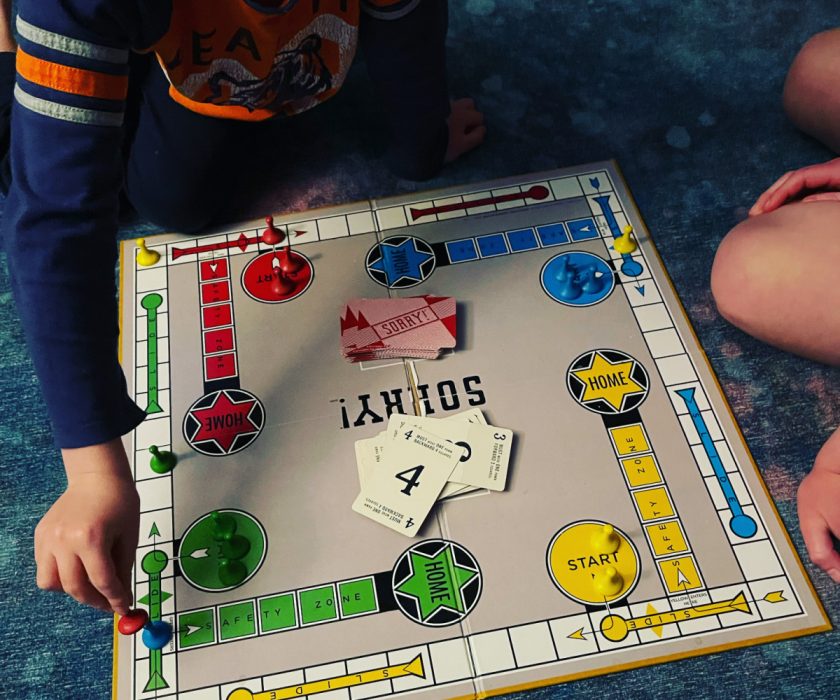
(232,572)
(162,462)
(224,526)
(234,548)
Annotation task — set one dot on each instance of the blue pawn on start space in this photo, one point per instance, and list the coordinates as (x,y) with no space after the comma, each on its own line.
(156,634)
(563,272)
(571,288)
(592,284)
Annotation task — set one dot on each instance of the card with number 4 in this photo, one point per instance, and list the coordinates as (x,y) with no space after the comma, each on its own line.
(401,493)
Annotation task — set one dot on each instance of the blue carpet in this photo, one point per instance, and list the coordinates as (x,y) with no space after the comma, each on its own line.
(686,96)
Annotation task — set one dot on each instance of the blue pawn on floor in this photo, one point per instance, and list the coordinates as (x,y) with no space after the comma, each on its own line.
(571,288)
(156,634)
(592,284)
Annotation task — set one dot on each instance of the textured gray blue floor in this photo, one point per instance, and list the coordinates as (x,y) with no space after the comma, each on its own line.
(685,94)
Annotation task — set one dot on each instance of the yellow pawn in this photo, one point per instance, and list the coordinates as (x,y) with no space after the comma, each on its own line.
(609,581)
(146,257)
(626,243)
(605,541)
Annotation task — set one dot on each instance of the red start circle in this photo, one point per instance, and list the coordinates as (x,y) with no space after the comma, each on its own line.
(277,276)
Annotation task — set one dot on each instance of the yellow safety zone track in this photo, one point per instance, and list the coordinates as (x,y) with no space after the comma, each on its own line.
(412,668)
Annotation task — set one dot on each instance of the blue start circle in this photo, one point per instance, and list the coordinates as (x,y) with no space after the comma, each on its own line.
(577,278)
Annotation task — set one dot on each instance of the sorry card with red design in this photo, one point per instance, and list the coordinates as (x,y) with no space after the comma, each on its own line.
(411,327)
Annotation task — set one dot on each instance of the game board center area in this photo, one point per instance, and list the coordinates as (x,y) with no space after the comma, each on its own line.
(447,444)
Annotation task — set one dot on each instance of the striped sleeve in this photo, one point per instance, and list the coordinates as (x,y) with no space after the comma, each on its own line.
(59,224)
(70,79)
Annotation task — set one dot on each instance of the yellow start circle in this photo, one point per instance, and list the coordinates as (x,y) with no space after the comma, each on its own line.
(593,562)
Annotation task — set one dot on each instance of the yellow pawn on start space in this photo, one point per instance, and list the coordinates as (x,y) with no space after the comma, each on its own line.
(609,581)
(625,244)
(146,257)
(605,541)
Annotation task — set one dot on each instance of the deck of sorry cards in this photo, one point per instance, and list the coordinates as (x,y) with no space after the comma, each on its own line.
(418,461)
(413,327)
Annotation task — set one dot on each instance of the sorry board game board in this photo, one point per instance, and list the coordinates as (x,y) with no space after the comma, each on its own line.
(626,461)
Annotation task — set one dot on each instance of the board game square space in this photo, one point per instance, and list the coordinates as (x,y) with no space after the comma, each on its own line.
(262,435)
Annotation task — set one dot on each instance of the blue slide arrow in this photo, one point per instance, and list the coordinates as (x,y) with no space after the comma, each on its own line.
(740,523)
(629,267)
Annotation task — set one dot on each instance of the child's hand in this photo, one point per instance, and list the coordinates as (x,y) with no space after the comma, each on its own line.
(811,184)
(819,508)
(466,128)
(86,542)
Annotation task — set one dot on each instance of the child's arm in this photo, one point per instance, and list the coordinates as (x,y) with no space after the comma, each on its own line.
(85,544)
(404,43)
(59,229)
(818,502)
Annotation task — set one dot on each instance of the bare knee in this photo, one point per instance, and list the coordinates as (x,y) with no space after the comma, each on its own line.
(809,95)
(739,280)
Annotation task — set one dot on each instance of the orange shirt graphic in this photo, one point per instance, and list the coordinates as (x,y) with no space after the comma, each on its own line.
(241,59)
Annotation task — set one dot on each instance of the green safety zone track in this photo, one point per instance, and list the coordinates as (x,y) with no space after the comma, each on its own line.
(434,583)
(151,302)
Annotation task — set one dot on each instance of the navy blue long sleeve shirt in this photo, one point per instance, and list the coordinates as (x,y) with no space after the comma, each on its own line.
(249,60)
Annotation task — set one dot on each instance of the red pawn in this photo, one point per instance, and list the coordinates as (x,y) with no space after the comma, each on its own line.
(272,235)
(289,262)
(281,285)
(133,621)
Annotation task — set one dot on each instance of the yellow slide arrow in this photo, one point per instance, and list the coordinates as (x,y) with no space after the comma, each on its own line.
(412,668)
(615,628)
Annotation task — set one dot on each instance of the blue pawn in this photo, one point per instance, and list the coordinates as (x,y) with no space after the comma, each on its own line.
(571,289)
(156,634)
(591,283)
(563,271)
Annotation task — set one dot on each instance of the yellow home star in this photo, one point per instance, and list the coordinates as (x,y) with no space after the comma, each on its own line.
(609,381)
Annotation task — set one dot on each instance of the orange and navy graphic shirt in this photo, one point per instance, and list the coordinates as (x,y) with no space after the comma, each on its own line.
(230,59)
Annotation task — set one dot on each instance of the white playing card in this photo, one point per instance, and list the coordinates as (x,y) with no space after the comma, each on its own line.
(486,464)
(403,489)
(474,415)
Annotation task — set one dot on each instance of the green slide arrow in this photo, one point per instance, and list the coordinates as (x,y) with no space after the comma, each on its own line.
(151,302)
(152,564)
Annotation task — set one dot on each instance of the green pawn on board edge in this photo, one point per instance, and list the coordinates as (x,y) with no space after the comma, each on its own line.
(162,461)
(232,572)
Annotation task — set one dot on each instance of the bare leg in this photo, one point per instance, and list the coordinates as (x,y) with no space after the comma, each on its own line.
(7,39)
(777,277)
(811,96)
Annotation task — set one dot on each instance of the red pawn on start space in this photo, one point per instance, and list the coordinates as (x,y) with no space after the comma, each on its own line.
(133,621)
(288,262)
(281,285)
(272,235)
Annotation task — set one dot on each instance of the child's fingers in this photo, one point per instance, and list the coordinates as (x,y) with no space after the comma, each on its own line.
(760,203)
(814,177)
(464,103)
(473,119)
(47,577)
(124,553)
(103,576)
(474,138)
(75,583)
(819,544)
(823,197)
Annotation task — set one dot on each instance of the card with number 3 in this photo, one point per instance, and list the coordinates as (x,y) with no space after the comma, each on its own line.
(404,488)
